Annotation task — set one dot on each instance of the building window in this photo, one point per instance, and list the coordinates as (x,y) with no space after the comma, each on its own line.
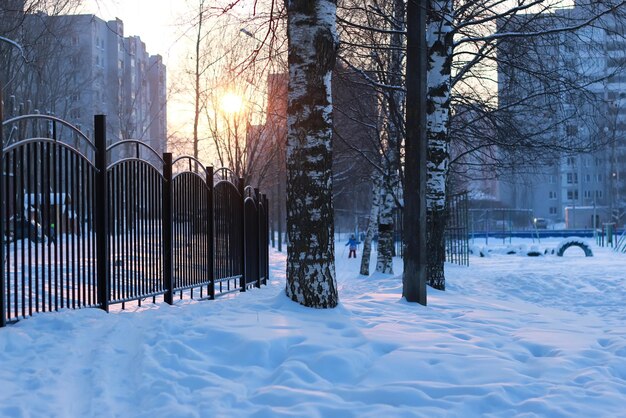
(552,210)
(587,194)
(552,179)
(572,195)
(599,194)
(571,161)
(572,178)
(598,178)
(588,178)
(552,195)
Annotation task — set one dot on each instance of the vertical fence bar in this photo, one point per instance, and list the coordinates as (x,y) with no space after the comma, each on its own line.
(26,239)
(168,283)
(32,233)
(243,233)
(210,234)
(264,237)
(257,197)
(266,249)
(57,221)
(101,205)
(466,234)
(45,175)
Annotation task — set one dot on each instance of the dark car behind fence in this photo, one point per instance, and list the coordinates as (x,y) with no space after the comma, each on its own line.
(86,225)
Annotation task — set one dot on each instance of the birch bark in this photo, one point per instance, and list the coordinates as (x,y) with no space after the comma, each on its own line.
(384,259)
(371,226)
(394,115)
(440,47)
(312,35)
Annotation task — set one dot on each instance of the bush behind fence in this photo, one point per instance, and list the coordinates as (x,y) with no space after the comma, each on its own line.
(86,225)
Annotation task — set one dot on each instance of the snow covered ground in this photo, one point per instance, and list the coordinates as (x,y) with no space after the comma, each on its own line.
(512,336)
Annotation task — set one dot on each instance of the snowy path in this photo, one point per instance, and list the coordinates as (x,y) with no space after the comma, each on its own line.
(512,336)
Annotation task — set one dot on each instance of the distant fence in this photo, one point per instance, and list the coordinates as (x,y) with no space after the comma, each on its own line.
(456,232)
(86,225)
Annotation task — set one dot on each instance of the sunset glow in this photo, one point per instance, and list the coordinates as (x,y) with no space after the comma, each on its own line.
(231,103)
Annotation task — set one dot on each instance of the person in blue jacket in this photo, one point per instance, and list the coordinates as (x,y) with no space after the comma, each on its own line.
(352,243)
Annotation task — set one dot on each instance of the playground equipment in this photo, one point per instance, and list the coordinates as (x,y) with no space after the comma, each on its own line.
(573,242)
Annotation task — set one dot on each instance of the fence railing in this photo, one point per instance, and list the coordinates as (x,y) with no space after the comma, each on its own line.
(86,225)
(456,232)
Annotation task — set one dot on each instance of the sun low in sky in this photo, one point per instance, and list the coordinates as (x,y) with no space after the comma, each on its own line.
(231,103)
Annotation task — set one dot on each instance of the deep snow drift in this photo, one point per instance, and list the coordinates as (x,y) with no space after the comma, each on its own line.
(512,336)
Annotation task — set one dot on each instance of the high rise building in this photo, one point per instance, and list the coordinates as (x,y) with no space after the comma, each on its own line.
(582,189)
(81,65)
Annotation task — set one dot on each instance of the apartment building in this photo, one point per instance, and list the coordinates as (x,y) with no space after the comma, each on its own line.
(580,188)
(81,65)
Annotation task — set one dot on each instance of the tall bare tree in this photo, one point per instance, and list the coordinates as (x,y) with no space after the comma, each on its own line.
(414,273)
(465,46)
(37,73)
(311,30)
(440,42)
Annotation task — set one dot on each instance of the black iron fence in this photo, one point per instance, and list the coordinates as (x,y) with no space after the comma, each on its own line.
(86,225)
(456,232)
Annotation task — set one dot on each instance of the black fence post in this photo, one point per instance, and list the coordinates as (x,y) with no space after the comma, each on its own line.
(4,206)
(101,213)
(259,236)
(243,234)
(266,245)
(168,279)
(210,218)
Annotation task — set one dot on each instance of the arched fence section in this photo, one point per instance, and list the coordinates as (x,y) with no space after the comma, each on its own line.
(86,225)
(228,232)
(192,185)
(47,177)
(135,221)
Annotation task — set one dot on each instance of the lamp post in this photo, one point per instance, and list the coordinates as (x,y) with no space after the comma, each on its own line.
(593,223)
(614,172)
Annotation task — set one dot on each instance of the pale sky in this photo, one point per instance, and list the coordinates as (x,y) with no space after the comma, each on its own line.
(155,21)
(161,25)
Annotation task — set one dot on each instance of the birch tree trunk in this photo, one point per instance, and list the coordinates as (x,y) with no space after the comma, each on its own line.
(384,260)
(395,111)
(440,47)
(311,30)
(197,106)
(371,226)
